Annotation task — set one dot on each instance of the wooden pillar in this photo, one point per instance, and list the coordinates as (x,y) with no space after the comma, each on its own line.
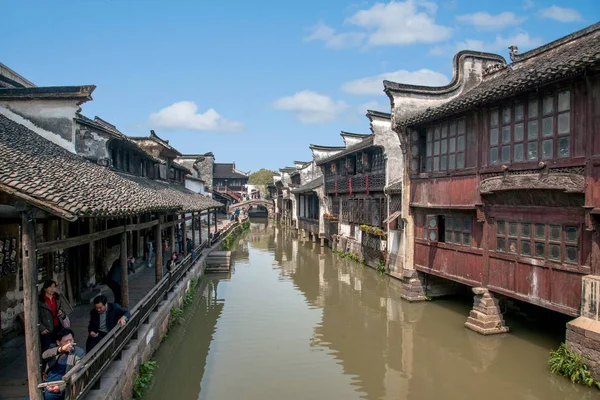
(158,260)
(92,252)
(200,226)
(173,245)
(124,276)
(193,230)
(215,220)
(208,224)
(184,236)
(30,305)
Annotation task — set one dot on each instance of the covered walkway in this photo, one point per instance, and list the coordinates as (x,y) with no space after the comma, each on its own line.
(13,365)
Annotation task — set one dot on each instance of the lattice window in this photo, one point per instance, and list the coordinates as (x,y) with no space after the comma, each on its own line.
(395,203)
(378,163)
(554,242)
(335,207)
(371,247)
(345,210)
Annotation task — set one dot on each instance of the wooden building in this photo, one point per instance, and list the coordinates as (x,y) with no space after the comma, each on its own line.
(227,179)
(504,166)
(72,190)
(355,179)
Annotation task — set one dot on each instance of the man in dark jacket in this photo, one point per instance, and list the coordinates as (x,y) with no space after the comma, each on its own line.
(103,317)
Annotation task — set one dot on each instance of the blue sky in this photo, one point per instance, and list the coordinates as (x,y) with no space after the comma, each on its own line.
(256,82)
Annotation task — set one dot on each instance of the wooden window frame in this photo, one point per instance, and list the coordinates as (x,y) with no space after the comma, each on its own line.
(445,146)
(538,234)
(522,139)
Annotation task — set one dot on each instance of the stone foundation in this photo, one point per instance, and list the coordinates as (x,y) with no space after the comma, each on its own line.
(485,317)
(413,288)
(583,337)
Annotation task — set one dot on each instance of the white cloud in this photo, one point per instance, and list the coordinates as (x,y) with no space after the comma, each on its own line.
(523,40)
(561,14)
(488,22)
(332,39)
(311,107)
(401,23)
(184,115)
(374,84)
(528,4)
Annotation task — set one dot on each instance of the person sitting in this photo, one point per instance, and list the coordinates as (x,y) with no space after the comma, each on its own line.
(60,358)
(172,261)
(103,318)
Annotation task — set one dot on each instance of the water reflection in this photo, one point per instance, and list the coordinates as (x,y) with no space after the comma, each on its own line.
(301,323)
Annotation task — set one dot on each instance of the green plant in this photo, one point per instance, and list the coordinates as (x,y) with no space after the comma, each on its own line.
(570,364)
(176,316)
(381,266)
(143,378)
(188,298)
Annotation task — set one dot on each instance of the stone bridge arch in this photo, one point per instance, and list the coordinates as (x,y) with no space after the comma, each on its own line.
(247,204)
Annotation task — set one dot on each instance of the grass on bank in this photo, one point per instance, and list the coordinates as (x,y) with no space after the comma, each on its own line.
(143,378)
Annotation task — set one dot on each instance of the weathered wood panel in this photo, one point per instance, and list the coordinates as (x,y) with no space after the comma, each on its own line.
(451,191)
(452,262)
(565,288)
(501,273)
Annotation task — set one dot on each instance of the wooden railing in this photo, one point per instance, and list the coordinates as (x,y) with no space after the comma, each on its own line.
(309,225)
(86,375)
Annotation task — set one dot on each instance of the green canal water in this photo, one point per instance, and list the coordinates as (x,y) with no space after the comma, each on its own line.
(294,321)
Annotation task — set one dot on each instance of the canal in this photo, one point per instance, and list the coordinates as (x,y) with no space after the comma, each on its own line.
(294,321)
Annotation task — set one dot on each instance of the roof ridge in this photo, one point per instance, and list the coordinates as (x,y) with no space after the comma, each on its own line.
(518,58)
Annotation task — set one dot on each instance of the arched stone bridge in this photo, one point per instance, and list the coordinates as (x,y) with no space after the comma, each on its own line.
(248,204)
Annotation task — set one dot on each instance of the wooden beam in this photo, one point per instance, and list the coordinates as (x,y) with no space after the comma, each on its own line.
(47,247)
(141,226)
(167,224)
(30,305)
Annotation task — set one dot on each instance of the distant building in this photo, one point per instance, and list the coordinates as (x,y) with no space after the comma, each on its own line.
(228,180)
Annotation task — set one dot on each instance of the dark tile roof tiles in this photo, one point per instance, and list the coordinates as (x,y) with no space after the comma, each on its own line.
(226,171)
(363,144)
(557,60)
(66,184)
(310,186)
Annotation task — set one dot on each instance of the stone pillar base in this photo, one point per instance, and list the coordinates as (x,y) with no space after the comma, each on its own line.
(583,338)
(485,317)
(322,242)
(413,288)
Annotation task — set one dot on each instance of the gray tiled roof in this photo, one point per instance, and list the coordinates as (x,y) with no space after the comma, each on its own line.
(52,178)
(363,144)
(563,58)
(315,183)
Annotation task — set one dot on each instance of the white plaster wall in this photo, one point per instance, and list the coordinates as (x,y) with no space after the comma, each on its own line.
(318,155)
(35,126)
(90,144)
(56,116)
(195,186)
(345,229)
(350,141)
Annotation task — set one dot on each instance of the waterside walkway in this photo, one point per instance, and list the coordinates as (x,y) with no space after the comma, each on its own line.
(13,369)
